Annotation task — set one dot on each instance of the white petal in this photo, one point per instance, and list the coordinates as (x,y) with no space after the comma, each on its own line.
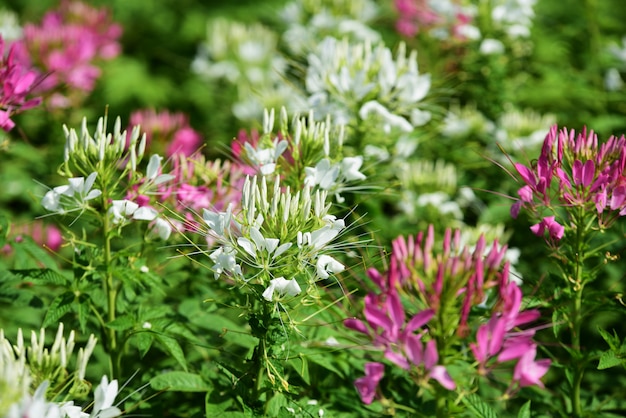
(145,213)
(153,166)
(247,245)
(280,250)
(268,294)
(51,201)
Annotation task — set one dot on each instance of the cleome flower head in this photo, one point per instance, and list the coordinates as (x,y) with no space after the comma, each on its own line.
(577,172)
(302,150)
(276,235)
(310,21)
(354,82)
(456,297)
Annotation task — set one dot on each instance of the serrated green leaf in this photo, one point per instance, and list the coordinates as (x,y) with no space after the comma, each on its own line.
(481,409)
(524,411)
(82,309)
(61,305)
(179,382)
(122,323)
(143,340)
(43,276)
(609,359)
(172,347)
(611,339)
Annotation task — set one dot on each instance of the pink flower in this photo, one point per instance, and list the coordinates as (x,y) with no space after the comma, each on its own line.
(555,230)
(367,384)
(186,141)
(588,174)
(66,46)
(17,83)
(528,372)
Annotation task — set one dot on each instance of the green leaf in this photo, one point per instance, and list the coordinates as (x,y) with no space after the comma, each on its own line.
(83,308)
(301,366)
(180,382)
(172,347)
(480,409)
(611,339)
(122,323)
(61,305)
(143,340)
(42,276)
(609,359)
(213,409)
(4,229)
(524,411)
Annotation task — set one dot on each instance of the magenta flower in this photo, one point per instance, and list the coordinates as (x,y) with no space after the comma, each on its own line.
(367,384)
(17,83)
(574,171)
(452,291)
(528,372)
(67,46)
(167,132)
(555,230)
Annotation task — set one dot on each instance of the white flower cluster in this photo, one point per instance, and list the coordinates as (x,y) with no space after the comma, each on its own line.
(247,57)
(356,82)
(85,150)
(310,21)
(20,366)
(515,17)
(278,234)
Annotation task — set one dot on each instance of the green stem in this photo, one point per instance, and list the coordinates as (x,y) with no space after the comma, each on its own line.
(110,291)
(577,316)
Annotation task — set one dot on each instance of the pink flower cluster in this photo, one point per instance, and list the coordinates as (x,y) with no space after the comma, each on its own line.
(66,46)
(167,129)
(576,173)
(48,236)
(446,286)
(416,16)
(17,83)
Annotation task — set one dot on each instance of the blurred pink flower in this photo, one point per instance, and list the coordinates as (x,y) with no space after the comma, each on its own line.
(166,132)
(367,384)
(66,46)
(17,82)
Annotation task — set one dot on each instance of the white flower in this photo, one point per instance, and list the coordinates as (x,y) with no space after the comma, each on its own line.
(69,410)
(613,80)
(219,222)
(35,407)
(323,175)
(265,158)
(162,228)
(283,287)
(152,172)
(225,261)
(326,264)
(491,46)
(389,119)
(350,168)
(320,237)
(71,196)
(120,210)
(104,397)
(259,243)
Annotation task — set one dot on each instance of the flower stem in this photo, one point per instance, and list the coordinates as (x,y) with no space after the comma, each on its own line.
(110,291)
(577,316)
